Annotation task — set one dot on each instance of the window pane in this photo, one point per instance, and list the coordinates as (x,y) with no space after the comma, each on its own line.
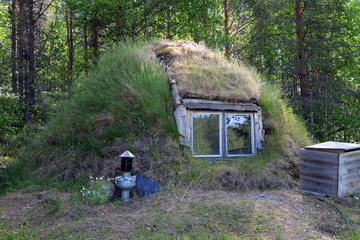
(206,134)
(238,129)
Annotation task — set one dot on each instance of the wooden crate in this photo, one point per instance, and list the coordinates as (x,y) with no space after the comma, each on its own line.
(330,168)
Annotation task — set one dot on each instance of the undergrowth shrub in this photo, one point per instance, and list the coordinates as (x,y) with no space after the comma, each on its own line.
(11,123)
(11,120)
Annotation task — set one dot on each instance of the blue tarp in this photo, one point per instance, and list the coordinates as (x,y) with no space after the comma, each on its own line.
(146,186)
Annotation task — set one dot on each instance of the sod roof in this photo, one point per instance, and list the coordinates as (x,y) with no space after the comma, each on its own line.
(204,74)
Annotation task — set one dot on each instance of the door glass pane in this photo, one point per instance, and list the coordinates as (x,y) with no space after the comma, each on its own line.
(206,134)
(238,129)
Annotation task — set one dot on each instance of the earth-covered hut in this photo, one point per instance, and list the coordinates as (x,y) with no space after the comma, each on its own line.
(127,103)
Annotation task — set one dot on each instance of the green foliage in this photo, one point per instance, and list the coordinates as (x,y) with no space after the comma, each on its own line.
(12,129)
(99,191)
(11,120)
(5,44)
(22,231)
(52,205)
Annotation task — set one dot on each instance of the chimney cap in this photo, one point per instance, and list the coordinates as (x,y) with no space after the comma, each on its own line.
(127,154)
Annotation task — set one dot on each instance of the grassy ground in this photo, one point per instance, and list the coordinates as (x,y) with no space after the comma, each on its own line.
(185,213)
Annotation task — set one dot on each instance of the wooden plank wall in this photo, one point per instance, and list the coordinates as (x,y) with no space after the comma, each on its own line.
(319,172)
(217,105)
(349,173)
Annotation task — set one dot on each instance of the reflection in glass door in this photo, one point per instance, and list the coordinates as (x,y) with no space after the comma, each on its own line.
(238,134)
(206,134)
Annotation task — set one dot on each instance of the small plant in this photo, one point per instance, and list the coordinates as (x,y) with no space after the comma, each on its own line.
(52,206)
(356,235)
(278,233)
(100,190)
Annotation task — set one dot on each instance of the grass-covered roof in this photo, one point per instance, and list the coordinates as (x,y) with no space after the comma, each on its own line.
(205,74)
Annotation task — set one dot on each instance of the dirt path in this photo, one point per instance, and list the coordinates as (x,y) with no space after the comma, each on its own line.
(196,214)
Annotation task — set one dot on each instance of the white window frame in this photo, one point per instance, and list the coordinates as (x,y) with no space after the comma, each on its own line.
(252,135)
(220,133)
(223,134)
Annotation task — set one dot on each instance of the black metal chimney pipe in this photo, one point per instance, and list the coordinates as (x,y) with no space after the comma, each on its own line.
(126,164)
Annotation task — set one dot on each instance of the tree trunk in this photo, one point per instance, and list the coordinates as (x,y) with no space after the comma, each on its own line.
(70,41)
(227,29)
(120,33)
(95,42)
(146,20)
(86,48)
(31,51)
(29,78)
(168,25)
(301,51)
(13,46)
(21,47)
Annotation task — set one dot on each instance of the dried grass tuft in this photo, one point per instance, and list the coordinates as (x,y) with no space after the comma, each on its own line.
(203,74)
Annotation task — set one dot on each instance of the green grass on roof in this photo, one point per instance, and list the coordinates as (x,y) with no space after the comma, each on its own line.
(205,74)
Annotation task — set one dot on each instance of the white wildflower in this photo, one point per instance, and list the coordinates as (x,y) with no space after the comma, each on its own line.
(91,177)
(97,179)
(83,194)
(101,178)
(89,192)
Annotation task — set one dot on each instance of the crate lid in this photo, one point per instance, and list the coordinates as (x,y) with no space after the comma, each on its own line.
(334,147)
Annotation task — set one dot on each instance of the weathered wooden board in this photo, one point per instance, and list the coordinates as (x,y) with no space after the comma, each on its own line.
(348,178)
(217,105)
(175,92)
(259,131)
(349,173)
(319,172)
(350,158)
(325,158)
(334,146)
(348,188)
(321,188)
(317,179)
(182,118)
(344,170)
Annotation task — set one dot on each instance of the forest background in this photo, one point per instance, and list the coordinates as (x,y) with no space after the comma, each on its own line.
(310,48)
